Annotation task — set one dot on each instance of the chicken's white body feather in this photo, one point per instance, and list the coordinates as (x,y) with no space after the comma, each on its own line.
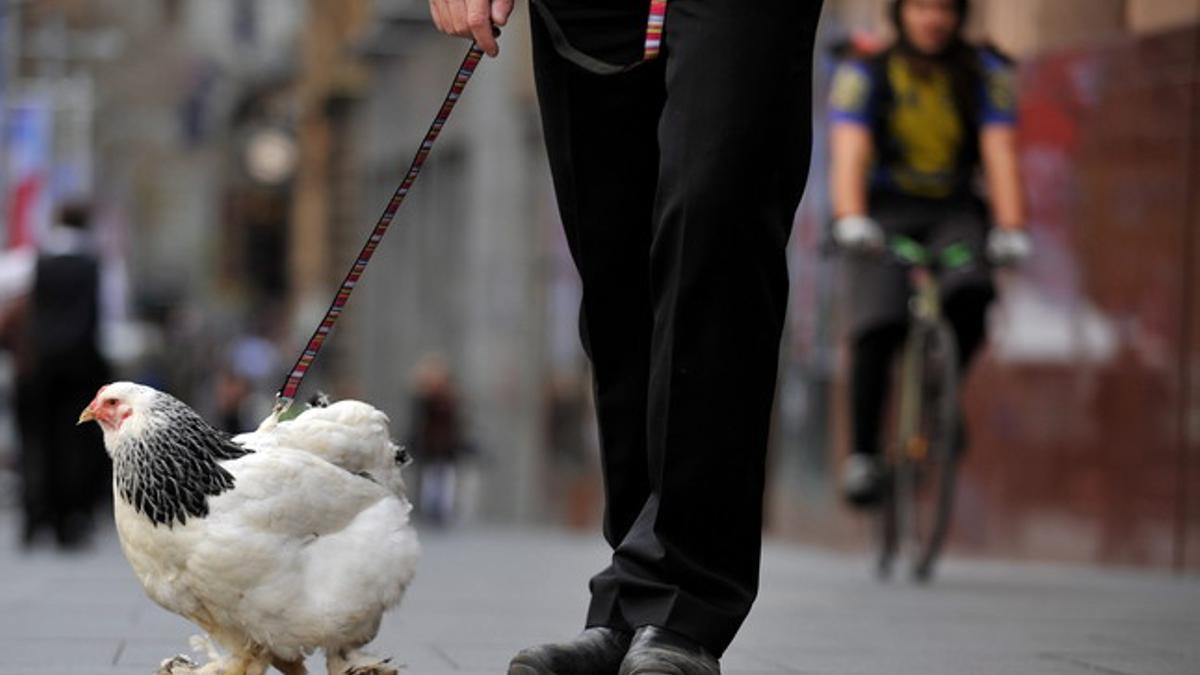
(351,434)
(307,549)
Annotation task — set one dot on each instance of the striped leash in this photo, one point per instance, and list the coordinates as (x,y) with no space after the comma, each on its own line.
(287,393)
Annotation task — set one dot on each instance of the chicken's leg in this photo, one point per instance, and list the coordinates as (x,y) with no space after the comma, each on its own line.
(177,665)
(353,662)
(289,667)
(242,663)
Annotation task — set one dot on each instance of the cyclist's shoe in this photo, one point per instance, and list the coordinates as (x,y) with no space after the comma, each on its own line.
(862,480)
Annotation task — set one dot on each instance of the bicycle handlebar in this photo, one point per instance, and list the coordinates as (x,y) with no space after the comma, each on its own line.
(908,253)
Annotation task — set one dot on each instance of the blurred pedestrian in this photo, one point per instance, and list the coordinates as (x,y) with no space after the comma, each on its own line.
(249,361)
(233,390)
(54,336)
(678,136)
(911,127)
(436,439)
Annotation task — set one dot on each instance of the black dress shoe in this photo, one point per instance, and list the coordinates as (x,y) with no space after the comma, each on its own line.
(657,651)
(596,651)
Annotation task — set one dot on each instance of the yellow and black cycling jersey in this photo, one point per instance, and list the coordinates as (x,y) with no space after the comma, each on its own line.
(924,143)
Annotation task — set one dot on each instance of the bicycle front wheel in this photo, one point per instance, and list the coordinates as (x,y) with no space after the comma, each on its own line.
(925,456)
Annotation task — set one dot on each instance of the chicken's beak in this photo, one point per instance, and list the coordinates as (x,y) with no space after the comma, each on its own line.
(88,415)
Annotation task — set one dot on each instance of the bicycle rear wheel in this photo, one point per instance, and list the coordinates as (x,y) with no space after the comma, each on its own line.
(924,459)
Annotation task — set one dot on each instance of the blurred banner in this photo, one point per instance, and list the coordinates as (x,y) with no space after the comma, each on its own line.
(27,153)
(5,47)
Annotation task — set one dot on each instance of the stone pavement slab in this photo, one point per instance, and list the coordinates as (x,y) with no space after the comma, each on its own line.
(480,595)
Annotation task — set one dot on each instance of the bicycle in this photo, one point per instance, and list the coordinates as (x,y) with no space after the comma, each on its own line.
(921,460)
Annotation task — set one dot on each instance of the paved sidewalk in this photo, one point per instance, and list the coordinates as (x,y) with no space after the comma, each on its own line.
(481,595)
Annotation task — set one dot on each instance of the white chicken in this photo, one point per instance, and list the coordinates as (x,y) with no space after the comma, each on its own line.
(292,538)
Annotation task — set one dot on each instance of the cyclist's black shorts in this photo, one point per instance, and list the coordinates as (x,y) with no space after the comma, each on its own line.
(879,289)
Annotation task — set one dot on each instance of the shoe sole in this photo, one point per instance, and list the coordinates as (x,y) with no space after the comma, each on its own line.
(664,665)
(524,667)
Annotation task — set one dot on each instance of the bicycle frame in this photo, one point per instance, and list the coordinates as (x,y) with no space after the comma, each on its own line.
(925,312)
(909,456)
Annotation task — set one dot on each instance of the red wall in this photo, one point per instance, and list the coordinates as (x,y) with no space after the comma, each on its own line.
(1086,453)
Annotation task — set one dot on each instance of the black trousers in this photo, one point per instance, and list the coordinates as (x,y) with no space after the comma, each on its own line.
(677,183)
(64,471)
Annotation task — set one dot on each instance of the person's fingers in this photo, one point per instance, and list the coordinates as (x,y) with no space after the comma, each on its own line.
(479,21)
(458,17)
(500,11)
(435,10)
(472,18)
(446,10)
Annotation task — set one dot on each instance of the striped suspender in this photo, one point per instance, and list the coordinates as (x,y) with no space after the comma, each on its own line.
(654,28)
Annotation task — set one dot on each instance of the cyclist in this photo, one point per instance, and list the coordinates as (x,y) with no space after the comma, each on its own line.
(911,127)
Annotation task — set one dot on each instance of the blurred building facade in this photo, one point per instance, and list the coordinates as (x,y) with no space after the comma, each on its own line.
(240,150)
(464,272)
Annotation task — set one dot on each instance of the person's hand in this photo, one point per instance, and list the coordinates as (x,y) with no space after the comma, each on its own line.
(858,233)
(1008,247)
(472,18)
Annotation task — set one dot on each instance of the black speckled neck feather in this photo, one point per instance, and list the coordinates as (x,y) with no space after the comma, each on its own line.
(168,472)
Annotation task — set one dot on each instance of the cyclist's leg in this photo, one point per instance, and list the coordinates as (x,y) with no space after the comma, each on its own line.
(874,352)
(878,293)
(967,290)
(872,356)
(966,311)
